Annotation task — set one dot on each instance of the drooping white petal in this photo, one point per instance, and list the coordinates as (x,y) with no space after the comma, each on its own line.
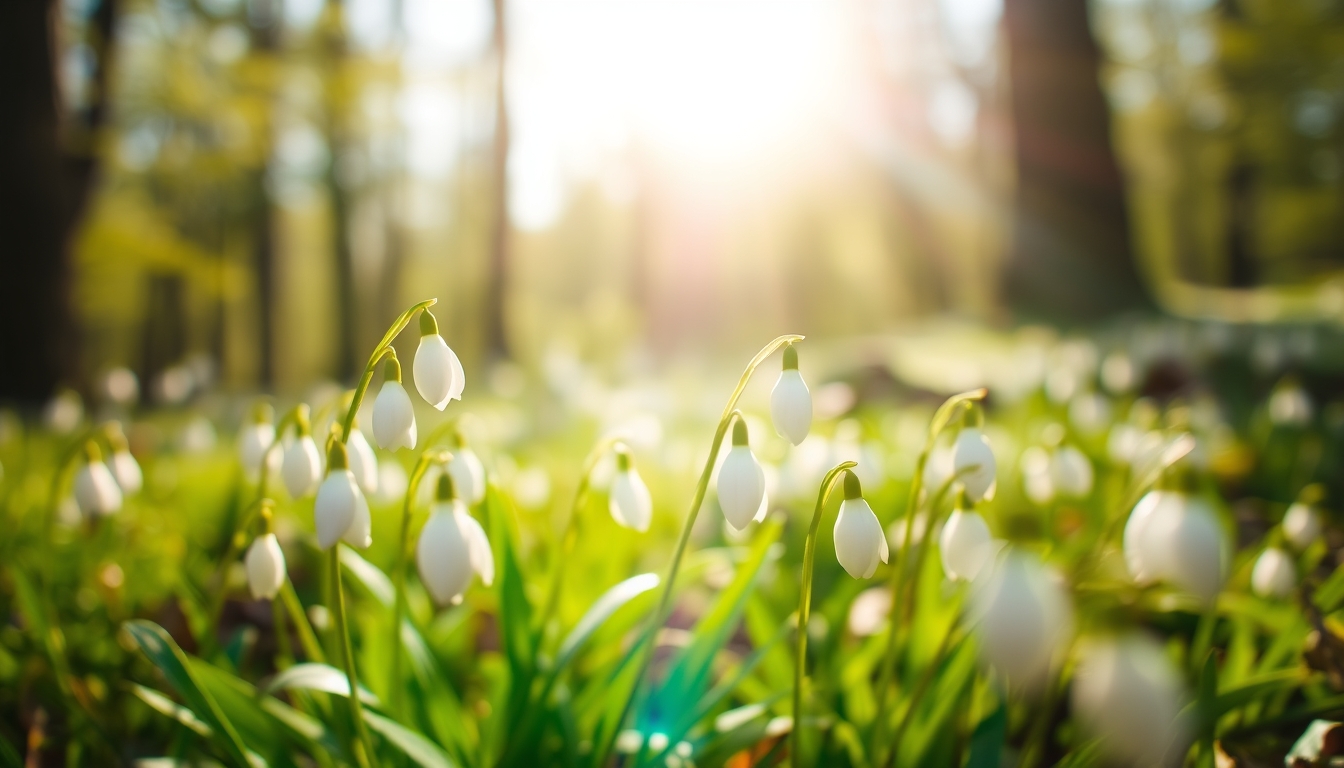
(1146,555)
(859,541)
(437,371)
(478,544)
(127,472)
(1128,693)
(973,462)
(629,501)
(302,467)
(1274,574)
(359,533)
(468,475)
(1197,546)
(265,567)
(253,442)
(443,556)
(338,502)
(1022,616)
(1301,525)
(1072,472)
(363,462)
(741,485)
(96,491)
(791,406)
(965,544)
(393,418)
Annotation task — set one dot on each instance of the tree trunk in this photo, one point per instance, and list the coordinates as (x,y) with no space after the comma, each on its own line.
(496,336)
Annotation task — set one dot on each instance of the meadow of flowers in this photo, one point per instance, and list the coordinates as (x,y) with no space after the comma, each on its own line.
(1003,549)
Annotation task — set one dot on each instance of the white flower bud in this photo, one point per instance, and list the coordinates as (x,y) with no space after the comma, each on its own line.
(254,440)
(341,511)
(790,401)
(1128,692)
(741,481)
(1274,574)
(363,462)
(966,545)
(451,548)
(96,491)
(973,463)
(859,540)
(1301,525)
(1023,618)
(468,473)
(265,567)
(1072,472)
(1176,537)
(437,371)
(628,500)
(126,470)
(302,467)
(393,414)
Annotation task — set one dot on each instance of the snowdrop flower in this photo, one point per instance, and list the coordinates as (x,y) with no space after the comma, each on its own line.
(363,463)
(125,469)
(438,372)
(1128,692)
(1023,618)
(1289,404)
(859,540)
(973,462)
(265,567)
(452,547)
(341,512)
(302,465)
(1143,554)
(1072,472)
(741,481)
(790,401)
(1274,574)
(1301,525)
(1176,537)
(629,501)
(1037,480)
(467,471)
(937,469)
(965,544)
(96,491)
(255,442)
(393,415)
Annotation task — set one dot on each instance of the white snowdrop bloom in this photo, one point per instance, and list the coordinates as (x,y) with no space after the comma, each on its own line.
(937,469)
(790,401)
(1301,525)
(363,462)
(1072,472)
(467,471)
(1274,574)
(393,414)
(859,540)
(254,440)
(973,463)
(64,412)
(302,465)
(127,472)
(1022,618)
(437,371)
(965,544)
(451,548)
(1037,480)
(265,567)
(1144,556)
(741,481)
(1290,405)
(1129,694)
(96,490)
(1123,443)
(1090,412)
(341,512)
(629,501)
(1176,537)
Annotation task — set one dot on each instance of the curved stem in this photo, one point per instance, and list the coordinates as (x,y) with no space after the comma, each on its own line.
(362,749)
(660,612)
(805,604)
(358,398)
(399,573)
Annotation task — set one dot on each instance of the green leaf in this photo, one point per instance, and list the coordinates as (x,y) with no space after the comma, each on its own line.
(417,747)
(159,646)
(611,601)
(370,575)
(166,706)
(316,677)
(987,740)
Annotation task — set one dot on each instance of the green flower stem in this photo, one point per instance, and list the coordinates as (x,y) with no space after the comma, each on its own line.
(361,747)
(422,465)
(400,323)
(805,605)
(665,596)
(283,654)
(312,648)
(923,547)
(941,419)
(921,688)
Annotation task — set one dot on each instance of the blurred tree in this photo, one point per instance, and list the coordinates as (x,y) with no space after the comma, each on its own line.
(496,335)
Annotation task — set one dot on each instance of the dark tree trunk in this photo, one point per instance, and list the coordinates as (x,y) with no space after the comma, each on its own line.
(47,171)
(336,49)
(496,335)
(1071,258)
(264,19)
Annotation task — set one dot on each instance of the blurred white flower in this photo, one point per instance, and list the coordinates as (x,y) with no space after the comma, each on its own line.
(629,501)
(392,482)
(468,472)
(965,544)
(973,463)
(1123,443)
(1289,404)
(869,611)
(1301,525)
(1128,692)
(363,462)
(126,470)
(1072,472)
(265,567)
(96,490)
(790,401)
(120,385)
(1090,412)
(1117,373)
(254,440)
(741,481)
(437,371)
(64,412)
(938,469)
(532,487)
(1274,574)
(451,548)
(393,415)
(859,540)
(1176,537)
(302,466)
(341,512)
(1037,480)
(1023,618)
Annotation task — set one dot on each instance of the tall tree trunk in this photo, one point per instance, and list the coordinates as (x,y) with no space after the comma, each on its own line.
(496,335)
(1070,257)
(336,49)
(265,18)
